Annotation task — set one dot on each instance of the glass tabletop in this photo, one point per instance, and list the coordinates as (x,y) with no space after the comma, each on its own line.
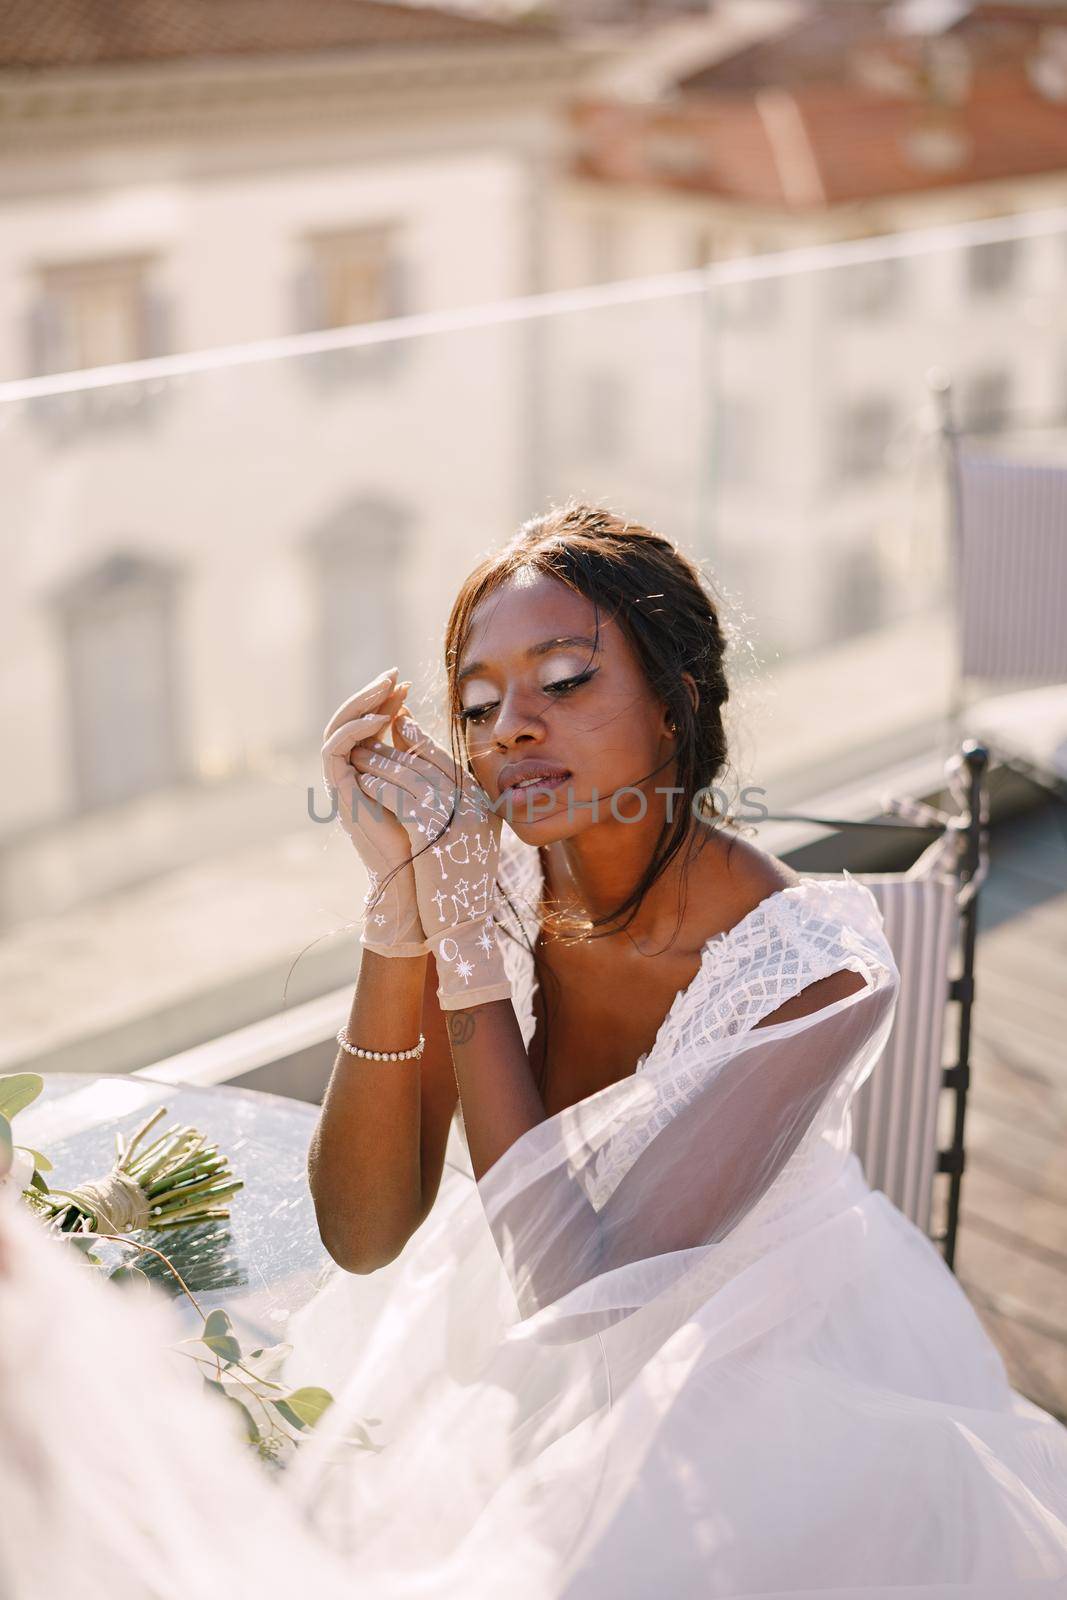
(261,1264)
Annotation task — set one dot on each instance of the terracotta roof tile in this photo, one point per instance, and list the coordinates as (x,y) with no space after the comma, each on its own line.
(74,33)
(795,121)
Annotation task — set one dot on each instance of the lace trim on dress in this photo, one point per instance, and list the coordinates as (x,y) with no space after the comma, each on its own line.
(793,938)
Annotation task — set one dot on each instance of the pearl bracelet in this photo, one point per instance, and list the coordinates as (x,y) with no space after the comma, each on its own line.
(381,1055)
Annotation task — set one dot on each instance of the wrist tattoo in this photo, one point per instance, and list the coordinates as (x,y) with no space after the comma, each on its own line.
(461,1027)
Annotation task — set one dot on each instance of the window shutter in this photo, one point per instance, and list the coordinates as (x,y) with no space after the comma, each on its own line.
(45,344)
(306,309)
(155,323)
(397,286)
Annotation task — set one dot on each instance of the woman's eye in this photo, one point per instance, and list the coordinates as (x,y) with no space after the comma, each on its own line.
(562,686)
(475,714)
(565,685)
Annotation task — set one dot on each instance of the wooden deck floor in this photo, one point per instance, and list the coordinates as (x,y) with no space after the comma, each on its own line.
(1011,1254)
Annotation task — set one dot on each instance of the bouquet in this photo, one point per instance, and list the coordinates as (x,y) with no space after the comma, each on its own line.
(177,1180)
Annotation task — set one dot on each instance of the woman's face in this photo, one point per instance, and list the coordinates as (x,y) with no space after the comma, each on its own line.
(535,688)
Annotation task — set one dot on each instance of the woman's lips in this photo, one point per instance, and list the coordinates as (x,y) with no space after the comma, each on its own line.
(540,783)
(538,786)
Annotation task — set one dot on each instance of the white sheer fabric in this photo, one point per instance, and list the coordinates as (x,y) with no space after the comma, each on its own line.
(119,1478)
(671,1342)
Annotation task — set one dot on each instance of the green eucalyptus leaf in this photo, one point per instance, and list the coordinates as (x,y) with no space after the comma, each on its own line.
(18,1091)
(7,1148)
(218,1336)
(226,1348)
(128,1275)
(41,1162)
(216,1323)
(303,1407)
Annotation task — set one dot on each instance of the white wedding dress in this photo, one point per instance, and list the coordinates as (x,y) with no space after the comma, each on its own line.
(670,1345)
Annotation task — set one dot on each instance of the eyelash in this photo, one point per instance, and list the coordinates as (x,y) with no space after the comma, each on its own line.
(562,686)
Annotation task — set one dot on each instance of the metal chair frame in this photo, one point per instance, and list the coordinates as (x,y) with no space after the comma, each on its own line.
(965,835)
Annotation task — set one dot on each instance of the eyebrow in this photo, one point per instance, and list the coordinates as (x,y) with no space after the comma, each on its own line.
(541,649)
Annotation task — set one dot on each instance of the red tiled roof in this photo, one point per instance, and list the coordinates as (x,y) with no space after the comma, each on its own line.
(74,33)
(825,46)
(791,121)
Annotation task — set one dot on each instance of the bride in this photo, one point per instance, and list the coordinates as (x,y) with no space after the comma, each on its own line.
(627,1314)
(614,1312)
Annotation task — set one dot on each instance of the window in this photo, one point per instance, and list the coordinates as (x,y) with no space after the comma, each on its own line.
(864,436)
(117,623)
(353,273)
(985,401)
(96,314)
(352,276)
(867,288)
(992,266)
(357,559)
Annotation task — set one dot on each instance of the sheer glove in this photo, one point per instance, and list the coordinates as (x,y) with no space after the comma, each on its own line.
(391,922)
(455,843)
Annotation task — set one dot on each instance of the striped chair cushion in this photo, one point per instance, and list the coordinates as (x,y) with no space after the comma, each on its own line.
(894,1113)
(1012,568)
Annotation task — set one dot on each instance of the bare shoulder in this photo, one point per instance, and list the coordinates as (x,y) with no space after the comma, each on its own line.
(740,874)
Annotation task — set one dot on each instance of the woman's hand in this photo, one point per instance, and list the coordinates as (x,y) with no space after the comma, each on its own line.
(455,843)
(391,923)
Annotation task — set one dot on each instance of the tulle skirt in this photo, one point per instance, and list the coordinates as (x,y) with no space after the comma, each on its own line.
(830,1419)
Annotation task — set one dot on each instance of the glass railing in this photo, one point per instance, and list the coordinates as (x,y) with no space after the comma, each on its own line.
(205,554)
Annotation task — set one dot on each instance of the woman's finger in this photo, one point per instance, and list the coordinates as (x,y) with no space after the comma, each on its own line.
(403,758)
(407,735)
(369,698)
(352,733)
(377,791)
(377,760)
(393,701)
(421,783)
(410,737)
